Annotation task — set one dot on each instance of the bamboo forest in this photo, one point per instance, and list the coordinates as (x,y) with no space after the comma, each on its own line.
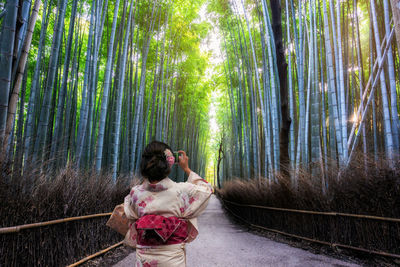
(92,82)
(260,94)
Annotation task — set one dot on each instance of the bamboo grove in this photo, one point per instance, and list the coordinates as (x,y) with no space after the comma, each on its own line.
(342,81)
(90,83)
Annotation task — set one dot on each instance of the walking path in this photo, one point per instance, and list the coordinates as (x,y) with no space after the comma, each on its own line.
(221,243)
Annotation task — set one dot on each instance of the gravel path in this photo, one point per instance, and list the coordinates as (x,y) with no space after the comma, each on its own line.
(221,243)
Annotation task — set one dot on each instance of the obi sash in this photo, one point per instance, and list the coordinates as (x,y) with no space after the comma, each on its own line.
(156,230)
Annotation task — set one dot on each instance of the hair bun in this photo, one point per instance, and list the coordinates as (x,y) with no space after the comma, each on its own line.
(154,165)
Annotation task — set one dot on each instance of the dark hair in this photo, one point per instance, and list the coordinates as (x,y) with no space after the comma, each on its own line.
(154,165)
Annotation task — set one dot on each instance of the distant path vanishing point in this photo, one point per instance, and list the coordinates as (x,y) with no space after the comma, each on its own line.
(222,243)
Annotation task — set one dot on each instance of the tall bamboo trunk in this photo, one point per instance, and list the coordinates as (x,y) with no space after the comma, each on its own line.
(20,70)
(17,166)
(6,54)
(140,97)
(82,126)
(61,96)
(292,141)
(392,82)
(396,17)
(34,91)
(40,150)
(389,144)
(107,83)
(120,87)
(342,89)
(282,71)
(361,81)
(332,85)
(315,99)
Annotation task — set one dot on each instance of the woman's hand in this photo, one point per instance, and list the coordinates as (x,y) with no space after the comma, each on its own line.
(184,162)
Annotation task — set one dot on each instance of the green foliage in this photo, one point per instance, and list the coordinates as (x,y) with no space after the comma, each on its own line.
(175,31)
(185,80)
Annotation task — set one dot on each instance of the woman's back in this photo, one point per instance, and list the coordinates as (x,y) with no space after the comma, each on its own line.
(163,213)
(167,198)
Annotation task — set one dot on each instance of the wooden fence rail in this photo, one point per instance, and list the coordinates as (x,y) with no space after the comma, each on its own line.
(387,219)
(16,229)
(96,254)
(333,245)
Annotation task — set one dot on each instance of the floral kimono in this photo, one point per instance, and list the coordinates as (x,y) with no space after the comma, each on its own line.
(163,219)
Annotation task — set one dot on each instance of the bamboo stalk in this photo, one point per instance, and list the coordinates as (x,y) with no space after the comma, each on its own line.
(318,212)
(16,229)
(333,245)
(364,112)
(371,81)
(96,254)
(12,107)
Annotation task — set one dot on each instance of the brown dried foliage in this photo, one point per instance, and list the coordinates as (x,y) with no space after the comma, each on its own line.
(70,193)
(375,191)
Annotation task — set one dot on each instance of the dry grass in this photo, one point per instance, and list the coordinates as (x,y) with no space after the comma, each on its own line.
(70,193)
(375,192)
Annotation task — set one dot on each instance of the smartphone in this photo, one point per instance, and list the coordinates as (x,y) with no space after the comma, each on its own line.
(176,155)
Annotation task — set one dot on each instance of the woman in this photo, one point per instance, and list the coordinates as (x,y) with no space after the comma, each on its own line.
(163,213)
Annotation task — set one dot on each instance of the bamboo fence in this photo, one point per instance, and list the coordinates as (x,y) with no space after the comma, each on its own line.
(16,229)
(333,245)
(96,254)
(360,216)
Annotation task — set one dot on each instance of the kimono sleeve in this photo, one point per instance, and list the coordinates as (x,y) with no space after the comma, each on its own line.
(198,193)
(131,214)
(195,196)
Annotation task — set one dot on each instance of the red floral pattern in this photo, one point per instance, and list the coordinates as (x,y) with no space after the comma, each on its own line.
(183,200)
(153,263)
